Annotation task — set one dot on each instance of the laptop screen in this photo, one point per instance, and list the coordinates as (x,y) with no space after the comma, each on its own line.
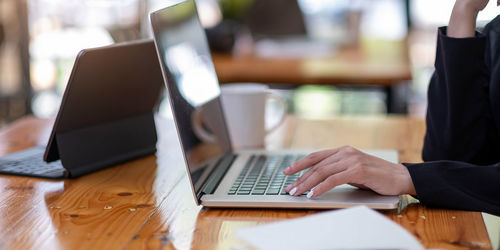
(193,88)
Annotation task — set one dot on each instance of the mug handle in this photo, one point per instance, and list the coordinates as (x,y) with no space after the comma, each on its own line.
(272,95)
(202,133)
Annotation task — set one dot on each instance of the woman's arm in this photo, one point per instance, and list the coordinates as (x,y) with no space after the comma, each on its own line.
(463,18)
(457,185)
(460,125)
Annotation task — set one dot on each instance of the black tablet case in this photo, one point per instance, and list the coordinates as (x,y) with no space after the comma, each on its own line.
(107,112)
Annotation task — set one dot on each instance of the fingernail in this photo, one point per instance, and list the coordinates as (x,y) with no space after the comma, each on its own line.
(289,186)
(310,194)
(286,170)
(292,192)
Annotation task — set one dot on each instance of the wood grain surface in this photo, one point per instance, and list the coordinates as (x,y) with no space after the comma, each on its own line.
(376,63)
(148,204)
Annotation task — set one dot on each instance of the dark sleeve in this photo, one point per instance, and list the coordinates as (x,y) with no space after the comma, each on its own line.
(457,185)
(460,125)
(461,169)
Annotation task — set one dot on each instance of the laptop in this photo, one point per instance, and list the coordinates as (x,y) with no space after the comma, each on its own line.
(220,176)
(105,117)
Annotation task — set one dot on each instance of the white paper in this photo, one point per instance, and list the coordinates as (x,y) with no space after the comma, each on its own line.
(353,228)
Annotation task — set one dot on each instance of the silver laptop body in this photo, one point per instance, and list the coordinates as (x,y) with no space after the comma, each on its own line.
(219,176)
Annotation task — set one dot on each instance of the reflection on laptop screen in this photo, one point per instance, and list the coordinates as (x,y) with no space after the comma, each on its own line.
(193,87)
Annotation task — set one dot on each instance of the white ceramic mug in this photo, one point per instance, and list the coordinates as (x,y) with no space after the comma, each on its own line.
(244,106)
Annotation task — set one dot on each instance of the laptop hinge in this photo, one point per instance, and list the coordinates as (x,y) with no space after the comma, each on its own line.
(216,175)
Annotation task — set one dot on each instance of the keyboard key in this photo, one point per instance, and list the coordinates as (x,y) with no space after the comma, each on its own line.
(258,192)
(264,175)
(31,162)
(273,191)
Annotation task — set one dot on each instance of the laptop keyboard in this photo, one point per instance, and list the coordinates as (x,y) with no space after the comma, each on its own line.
(263,175)
(30,163)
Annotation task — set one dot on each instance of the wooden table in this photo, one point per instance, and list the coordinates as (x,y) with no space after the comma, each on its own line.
(147,203)
(371,63)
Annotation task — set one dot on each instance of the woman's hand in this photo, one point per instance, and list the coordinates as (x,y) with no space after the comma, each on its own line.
(331,168)
(473,5)
(463,17)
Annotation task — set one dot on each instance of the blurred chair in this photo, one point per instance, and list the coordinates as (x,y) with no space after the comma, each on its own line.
(125,33)
(2,34)
(15,103)
(275,18)
(222,37)
(3,101)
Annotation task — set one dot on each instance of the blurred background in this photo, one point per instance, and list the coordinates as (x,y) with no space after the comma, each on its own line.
(326,57)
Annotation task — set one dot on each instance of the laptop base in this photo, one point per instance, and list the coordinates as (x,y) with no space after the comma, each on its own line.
(342,196)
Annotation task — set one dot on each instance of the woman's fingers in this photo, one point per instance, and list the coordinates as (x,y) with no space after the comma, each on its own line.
(349,165)
(332,168)
(330,182)
(328,161)
(313,180)
(308,161)
(316,176)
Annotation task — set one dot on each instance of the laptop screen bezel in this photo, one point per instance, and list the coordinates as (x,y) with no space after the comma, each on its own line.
(153,16)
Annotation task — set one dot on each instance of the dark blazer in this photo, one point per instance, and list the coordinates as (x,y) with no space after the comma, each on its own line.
(462,142)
